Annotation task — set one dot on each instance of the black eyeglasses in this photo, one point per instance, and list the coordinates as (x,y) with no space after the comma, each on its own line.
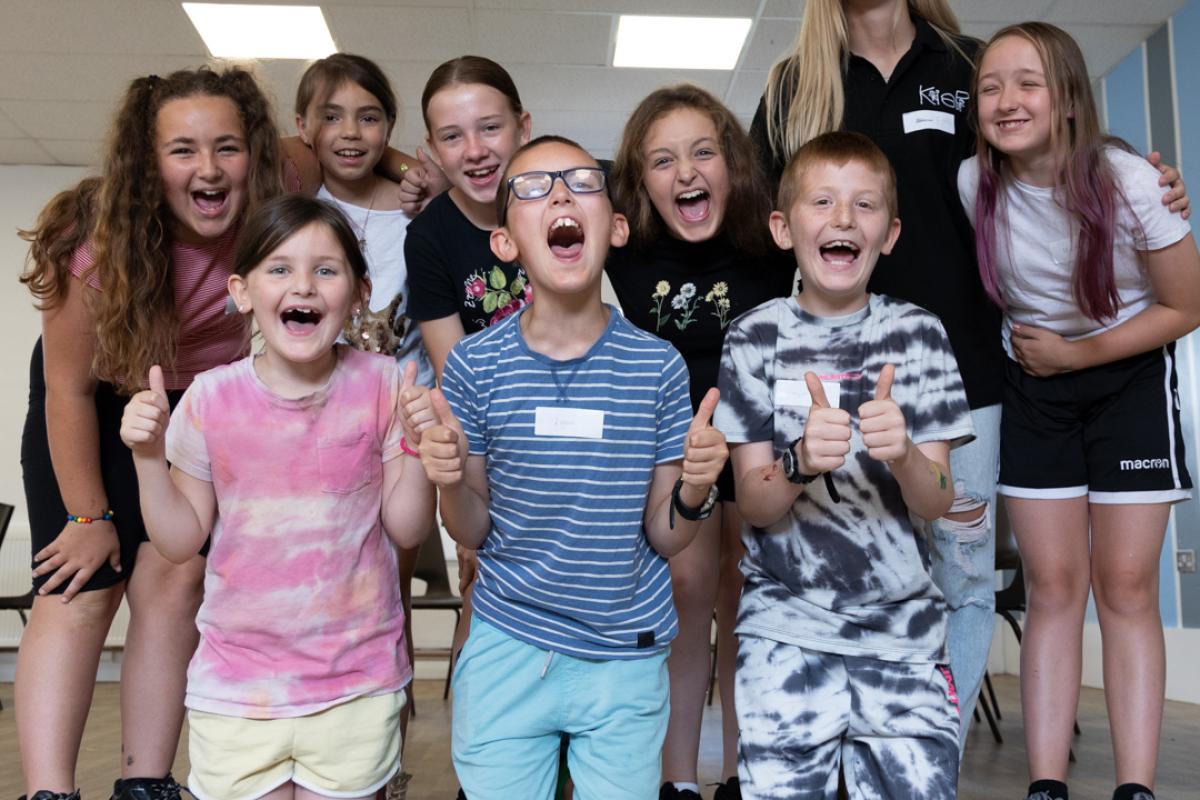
(532,185)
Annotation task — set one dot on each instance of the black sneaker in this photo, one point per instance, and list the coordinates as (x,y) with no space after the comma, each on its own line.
(146,789)
(668,792)
(729,790)
(46,794)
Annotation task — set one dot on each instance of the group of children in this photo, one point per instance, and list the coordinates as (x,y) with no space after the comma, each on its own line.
(563,442)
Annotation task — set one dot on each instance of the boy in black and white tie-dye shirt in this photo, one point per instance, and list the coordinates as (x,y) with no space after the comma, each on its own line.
(841,407)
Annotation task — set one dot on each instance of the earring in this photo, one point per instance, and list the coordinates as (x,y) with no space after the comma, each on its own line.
(241,309)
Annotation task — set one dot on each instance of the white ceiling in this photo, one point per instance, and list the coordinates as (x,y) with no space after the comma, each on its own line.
(65,62)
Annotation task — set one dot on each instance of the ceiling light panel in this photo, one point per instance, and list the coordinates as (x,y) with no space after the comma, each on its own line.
(680,42)
(258,31)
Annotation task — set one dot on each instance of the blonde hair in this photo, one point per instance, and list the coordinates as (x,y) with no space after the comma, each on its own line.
(805,96)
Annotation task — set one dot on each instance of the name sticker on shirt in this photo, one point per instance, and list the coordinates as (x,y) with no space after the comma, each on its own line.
(928,121)
(579,423)
(795,393)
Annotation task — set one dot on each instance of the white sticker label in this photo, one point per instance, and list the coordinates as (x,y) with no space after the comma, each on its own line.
(795,393)
(576,423)
(928,121)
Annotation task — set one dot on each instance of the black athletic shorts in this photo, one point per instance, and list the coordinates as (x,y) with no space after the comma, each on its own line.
(1109,433)
(47,514)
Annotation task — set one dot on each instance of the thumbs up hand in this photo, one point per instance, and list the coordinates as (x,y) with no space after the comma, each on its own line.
(826,433)
(444,445)
(145,419)
(704,450)
(881,422)
(413,406)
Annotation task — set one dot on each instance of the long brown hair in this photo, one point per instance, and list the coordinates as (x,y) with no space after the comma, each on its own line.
(130,222)
(805,96)
(748,206)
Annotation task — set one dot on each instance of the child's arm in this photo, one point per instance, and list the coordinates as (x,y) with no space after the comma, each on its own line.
(704,455)
(921,470)
(409,499)
(1174,273)
(461,478)
(178,509)
(764,495)
(393,165)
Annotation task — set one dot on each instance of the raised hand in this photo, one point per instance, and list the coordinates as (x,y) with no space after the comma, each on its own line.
(704,450)
(413,406)
(421,184)
(881,422)
(826,433)
(444,446)
(144,422)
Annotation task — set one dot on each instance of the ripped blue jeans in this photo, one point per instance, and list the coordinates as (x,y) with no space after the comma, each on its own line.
(964,560)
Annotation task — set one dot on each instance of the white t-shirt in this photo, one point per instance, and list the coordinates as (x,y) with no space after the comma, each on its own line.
(385,232)
(1035,257)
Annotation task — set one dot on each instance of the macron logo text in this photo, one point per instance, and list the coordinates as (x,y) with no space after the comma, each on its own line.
(1144,463)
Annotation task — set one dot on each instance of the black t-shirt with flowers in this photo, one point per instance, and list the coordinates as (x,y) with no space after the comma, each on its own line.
(689,292)
(452,270)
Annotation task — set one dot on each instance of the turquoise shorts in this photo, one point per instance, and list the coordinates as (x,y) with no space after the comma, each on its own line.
(513,702)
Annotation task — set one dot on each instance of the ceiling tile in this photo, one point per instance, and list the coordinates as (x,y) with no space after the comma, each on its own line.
(411,33)
(77,76)
(692,8)
(1007,11)
(85,26)
(67,151)
(771,40)
(1090,12)
(1104,46)
(57,119)
(9,129)
(785,9)
(23,151)
(535,37)
(590,88)
(746,90)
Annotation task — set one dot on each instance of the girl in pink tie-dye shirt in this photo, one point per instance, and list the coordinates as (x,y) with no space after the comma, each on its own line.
(293,460)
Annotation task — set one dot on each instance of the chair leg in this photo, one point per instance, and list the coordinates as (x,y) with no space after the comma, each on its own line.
(450,659)
(712,673)
(982,703)
(987,682)
(1012,621)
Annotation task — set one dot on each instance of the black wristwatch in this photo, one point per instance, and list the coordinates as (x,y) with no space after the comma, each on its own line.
(687,512)
(791,466)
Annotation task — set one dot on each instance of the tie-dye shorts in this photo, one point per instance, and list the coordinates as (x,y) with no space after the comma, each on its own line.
(892,727)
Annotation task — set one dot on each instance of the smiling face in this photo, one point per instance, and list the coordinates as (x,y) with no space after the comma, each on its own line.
(473,132)
(1016,113)
(204,162)
(837,226)
(685,174)
(348,133)
(562,238)
(301,295)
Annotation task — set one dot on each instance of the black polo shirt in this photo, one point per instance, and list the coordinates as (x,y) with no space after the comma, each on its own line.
(922,119)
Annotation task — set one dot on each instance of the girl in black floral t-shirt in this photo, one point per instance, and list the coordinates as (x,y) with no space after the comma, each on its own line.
(700,254)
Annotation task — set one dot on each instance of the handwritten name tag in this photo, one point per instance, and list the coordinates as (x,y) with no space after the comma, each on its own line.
(928,121)
(577,423)
(795,393)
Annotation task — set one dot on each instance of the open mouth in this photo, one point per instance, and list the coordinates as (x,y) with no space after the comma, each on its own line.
(840,252)
(565,238)
(300,319)
(1010,124)
(481,175)
(350,153)
(693,205)
(210,202)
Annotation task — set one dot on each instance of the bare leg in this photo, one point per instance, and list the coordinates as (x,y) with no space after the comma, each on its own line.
(729,592)
(1053,537)
(407,558)
(694,585)
(163,600)
(1126,545)
(56,673)
(300,793)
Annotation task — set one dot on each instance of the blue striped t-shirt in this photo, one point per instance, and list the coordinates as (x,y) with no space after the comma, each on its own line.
(567,566)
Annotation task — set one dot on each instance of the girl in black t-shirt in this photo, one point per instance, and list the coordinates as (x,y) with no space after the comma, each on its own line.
(474,122)
(699,256)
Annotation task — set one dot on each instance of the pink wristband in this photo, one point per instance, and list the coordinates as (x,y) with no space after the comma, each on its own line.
(404,446)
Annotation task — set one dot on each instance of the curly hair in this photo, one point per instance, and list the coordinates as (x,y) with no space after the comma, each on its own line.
(136,322)
(748,207)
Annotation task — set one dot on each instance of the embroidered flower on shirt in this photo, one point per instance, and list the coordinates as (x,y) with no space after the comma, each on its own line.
(661,290)
(495,294)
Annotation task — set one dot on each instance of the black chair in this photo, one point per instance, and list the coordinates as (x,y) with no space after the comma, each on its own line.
(22,602)
(431,568)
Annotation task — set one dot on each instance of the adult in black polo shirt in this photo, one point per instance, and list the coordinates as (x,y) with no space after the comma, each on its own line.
(906,86)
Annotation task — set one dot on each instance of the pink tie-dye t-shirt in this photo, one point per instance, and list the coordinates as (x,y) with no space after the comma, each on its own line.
(301,600)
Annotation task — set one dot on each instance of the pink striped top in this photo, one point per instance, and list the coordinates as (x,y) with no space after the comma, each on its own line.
(208,335)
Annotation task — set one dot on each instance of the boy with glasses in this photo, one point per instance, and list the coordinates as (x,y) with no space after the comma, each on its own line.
(558,446)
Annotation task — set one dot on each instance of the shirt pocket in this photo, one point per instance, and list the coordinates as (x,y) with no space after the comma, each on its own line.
(347,462)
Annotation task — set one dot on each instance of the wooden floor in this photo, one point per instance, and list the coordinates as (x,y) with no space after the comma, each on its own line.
(991,771)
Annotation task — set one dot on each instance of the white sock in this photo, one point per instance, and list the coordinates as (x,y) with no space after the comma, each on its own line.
(686,787)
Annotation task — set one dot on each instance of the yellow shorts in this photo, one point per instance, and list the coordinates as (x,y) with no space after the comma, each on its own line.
(349,750)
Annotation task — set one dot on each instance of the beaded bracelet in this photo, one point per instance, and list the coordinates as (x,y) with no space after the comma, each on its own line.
(404,446)
(80,520)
